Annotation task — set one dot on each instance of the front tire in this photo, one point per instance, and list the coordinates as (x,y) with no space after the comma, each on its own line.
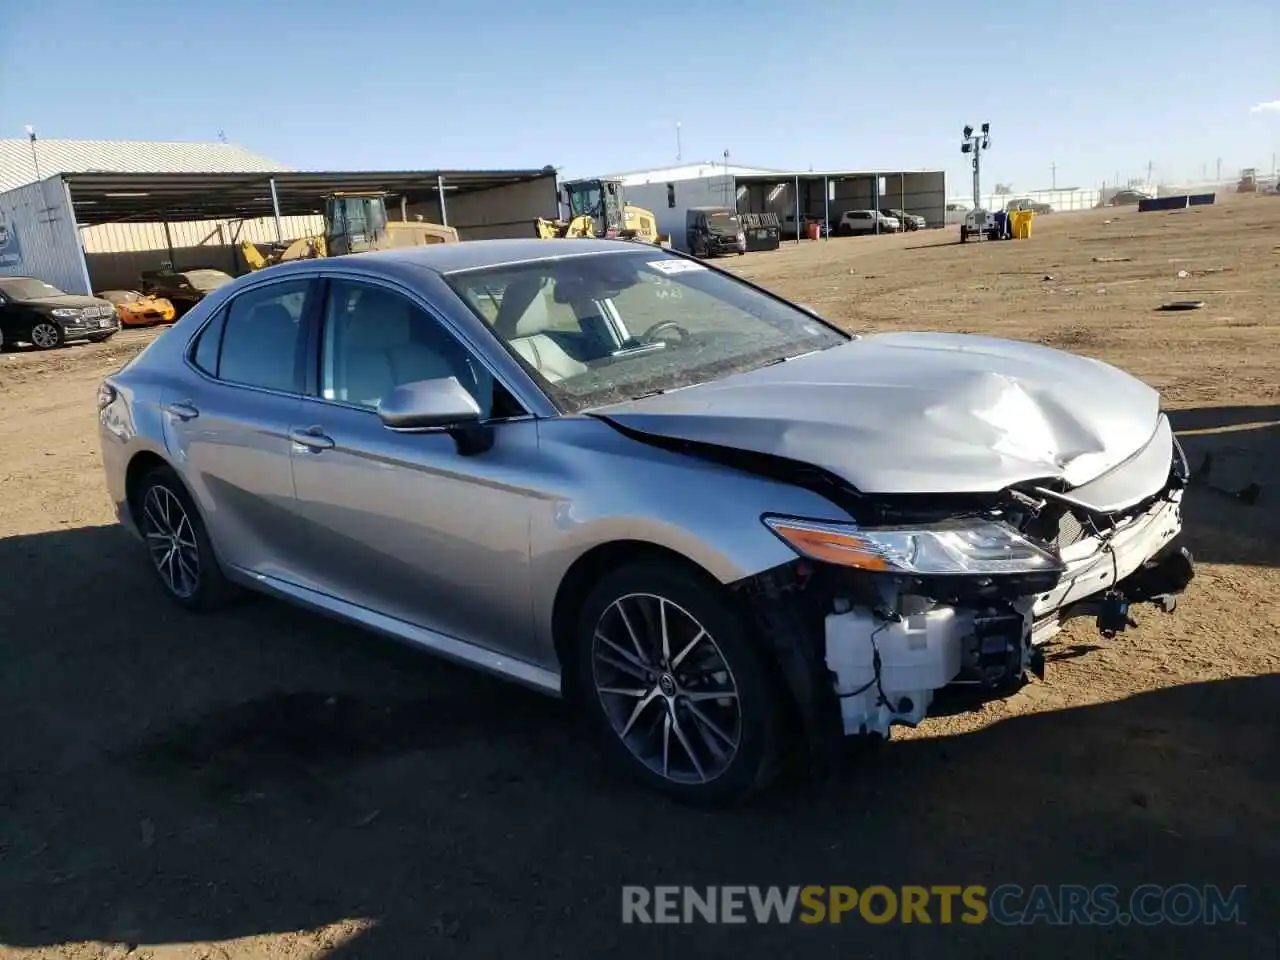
(674,685)
(46,335)
(178,544)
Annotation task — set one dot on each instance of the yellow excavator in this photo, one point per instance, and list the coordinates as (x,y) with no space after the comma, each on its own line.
(353,223)
(598,208)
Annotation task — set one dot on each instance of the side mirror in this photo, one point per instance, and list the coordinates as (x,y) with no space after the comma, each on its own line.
(437,406)
(429,405)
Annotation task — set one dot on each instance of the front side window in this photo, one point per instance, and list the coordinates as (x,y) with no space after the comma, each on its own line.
(602,328)
(264,336)
(376,340)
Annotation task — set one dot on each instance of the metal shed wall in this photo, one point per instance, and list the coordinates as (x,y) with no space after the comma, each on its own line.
(38,236)
(116,253)
(924,194)
(499,213)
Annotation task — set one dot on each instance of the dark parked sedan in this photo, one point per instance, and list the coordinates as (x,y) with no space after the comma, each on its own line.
(38,313)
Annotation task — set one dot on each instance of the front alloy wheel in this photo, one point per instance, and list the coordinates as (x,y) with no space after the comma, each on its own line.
(666,688)
(671,677)
(46,335)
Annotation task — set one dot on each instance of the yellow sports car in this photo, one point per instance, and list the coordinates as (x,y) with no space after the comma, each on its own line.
(139,310)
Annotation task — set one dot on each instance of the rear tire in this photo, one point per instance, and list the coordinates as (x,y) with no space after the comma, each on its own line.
(964,234)
(656,713)
(178,544)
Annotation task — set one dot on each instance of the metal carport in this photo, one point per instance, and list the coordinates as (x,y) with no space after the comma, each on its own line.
(829,193)
(99,229)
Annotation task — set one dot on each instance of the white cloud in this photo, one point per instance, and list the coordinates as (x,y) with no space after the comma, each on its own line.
(1272,106)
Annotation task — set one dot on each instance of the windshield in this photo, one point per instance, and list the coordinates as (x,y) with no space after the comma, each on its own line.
(584,198)
(28,288)
(602,328)
(207,280)
(723,222)
(121,296)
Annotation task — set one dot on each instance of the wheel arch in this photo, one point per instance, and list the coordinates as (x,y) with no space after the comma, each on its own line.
(587,570)
(140,465)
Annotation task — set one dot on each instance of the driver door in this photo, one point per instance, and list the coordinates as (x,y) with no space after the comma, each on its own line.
(402,523)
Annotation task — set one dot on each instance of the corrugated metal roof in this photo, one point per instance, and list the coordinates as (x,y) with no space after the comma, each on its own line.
(17,166)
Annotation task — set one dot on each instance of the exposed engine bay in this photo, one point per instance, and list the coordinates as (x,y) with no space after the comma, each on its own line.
(878,641)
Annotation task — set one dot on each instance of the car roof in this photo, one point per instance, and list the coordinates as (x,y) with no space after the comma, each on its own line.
(445,258)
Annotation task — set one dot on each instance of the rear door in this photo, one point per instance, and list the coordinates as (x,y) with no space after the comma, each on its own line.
(227,423)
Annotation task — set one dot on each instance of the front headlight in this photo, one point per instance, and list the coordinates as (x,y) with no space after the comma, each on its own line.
(66,313)
(952,547)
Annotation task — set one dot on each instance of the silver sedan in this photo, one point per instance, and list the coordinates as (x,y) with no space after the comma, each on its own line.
(728,531)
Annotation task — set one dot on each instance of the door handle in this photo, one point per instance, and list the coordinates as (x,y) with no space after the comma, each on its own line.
(183,410)
(312,438)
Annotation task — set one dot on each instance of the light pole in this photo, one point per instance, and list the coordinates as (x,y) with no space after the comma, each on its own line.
(975,143)
(35,157)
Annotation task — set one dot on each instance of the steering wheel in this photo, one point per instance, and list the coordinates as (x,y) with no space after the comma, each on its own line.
(652,334)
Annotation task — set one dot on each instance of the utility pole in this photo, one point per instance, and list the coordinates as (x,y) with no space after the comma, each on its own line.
(1219,173)
(975,143)
(1053,175)
(1150,167)
(679,153)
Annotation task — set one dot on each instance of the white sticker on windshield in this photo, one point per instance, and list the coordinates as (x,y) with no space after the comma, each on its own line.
(675,266)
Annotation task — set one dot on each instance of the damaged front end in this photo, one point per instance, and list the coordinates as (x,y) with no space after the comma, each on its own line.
(924,593)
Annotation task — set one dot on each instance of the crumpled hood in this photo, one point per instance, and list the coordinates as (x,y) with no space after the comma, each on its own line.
(919,413)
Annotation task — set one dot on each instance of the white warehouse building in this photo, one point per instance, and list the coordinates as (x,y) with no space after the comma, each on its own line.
(670,192)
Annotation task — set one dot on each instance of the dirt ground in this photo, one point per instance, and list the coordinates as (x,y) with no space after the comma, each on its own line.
(268,784)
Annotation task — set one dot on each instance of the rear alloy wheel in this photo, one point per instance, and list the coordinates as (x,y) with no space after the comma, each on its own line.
(45,335)
(675,686)
(178,544)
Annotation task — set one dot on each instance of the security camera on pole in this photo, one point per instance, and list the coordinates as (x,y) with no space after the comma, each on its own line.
(975,144)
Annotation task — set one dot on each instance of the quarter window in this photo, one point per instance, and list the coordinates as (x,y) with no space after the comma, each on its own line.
(264,337)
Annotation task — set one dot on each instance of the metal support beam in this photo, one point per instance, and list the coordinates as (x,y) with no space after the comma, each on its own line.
(168,242)
(797,211)
(444,216)
(404,208)
(875,204)
(275,209)
(826,207)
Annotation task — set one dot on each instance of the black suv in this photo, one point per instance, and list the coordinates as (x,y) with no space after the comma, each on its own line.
(40,314)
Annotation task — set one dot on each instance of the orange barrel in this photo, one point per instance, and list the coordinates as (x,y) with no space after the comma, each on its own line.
(814,230)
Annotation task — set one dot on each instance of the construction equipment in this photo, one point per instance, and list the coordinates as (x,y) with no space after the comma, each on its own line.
(353,223)
(1248,182)
(598,208)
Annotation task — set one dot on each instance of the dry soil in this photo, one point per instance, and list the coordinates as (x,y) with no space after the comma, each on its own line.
(265,783)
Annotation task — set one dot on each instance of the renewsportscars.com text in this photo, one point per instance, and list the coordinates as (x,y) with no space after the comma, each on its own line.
(1181,904)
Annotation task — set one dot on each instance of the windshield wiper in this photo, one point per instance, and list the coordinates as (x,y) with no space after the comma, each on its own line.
(777,360)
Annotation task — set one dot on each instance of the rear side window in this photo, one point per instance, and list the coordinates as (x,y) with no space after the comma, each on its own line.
(264,337)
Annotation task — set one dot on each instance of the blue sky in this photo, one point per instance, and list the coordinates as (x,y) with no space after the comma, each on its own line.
(596,88)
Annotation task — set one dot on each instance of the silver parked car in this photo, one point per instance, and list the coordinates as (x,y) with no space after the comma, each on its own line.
(728,531)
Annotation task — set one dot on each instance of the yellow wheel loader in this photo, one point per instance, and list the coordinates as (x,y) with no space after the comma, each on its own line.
(598,208)
(353,223)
